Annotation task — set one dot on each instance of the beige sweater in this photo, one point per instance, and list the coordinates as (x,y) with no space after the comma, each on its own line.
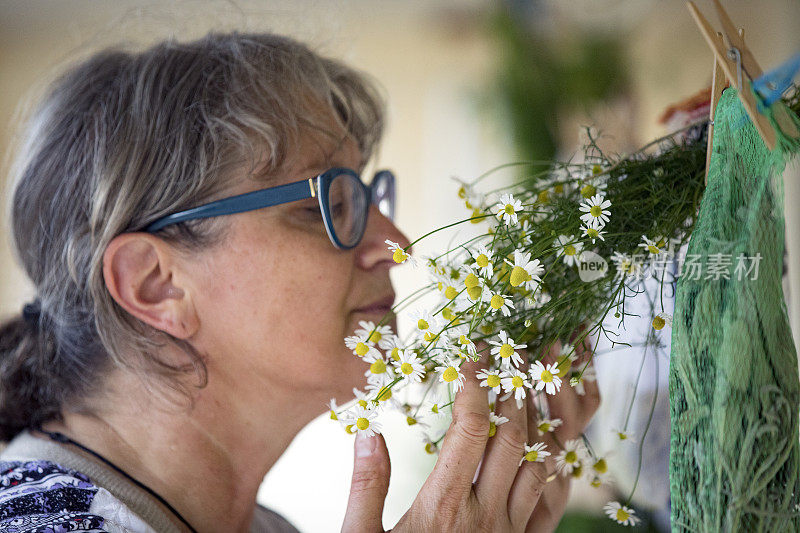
(140,512)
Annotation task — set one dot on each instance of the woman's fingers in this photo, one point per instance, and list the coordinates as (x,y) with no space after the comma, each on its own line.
(503,452)
(371,470)
(465,441)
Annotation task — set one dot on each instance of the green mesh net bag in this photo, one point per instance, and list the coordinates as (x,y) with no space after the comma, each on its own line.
(733,381)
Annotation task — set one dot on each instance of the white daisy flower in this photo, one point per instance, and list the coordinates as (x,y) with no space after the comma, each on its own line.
(398,254)
(379,387)
(363,399)
(535,453)
(523,270)
(621,514)
(571,456)
(515,381)
(450,372)
(596,186)
(460,335)
(426,324)
(599,470)
(498,302)
(596,212)
(545,377)
(624,435)
(491,379)
(593,233)
(333,408)
(429,444)
(547,425)
(570,248)
(378,366)
(661,320)
(577,379)
(373,333)
(484,260)
(434,408)
(391,344)
(506,349)
(362,420)
(494,421)
(507,209)
(360,345)
(409,366)
(656,248)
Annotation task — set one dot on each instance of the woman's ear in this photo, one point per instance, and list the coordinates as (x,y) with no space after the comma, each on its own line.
(142,276)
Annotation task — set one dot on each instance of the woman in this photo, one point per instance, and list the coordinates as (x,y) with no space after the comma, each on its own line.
(173,353)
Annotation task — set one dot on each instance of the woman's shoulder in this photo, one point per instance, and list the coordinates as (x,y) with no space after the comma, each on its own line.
(39,495)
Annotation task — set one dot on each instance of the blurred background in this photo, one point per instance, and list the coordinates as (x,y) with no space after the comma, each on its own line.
(470,85)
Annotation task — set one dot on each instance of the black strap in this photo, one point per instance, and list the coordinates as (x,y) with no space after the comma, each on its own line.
(60,437)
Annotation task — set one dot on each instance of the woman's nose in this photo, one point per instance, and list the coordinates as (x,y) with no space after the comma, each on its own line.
(373,250)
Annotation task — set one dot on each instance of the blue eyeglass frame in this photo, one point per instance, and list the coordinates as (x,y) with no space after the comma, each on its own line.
(316,187)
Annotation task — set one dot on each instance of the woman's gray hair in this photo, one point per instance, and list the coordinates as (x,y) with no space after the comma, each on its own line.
(124,138)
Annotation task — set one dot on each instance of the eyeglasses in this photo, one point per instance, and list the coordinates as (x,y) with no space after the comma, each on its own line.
(343,199)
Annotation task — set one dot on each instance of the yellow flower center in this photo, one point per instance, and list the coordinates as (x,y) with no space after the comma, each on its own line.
(601,466)
(596,211)
(482,262)
(362,423)
(361,349)
(349,428)
(531,455)
(475,213)
(577,471)
(509,209)
(450,374)
(492,429)
(450,292)
(333,415)
(435,408)
(622,436)
(497,301)
(543,197)
(544,427)
(375,337)
(471,280)
(430,448)
(462,192)
(622,515)
(429,336)
(422,324)
(378,367)
(562,368)
(493,380)
(588,191)
(570,457)
(596,169)
(506,350)
(463,340)
(595,482)
(516,381)
(474,292)
(547,376)
(448,313)
(518,276)
(592,232)
(384,394)
(399,256)
(362,403)
(410,420)
(659,323)
(653,249)
(406,368)
(558,189)
(569,249)
(396,353)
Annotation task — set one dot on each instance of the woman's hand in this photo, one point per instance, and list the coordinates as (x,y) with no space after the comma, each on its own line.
(504,496)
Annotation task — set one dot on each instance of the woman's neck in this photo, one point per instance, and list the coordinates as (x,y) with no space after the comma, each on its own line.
(207,462)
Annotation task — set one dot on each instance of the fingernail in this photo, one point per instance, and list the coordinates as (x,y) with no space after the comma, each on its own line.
(365,446)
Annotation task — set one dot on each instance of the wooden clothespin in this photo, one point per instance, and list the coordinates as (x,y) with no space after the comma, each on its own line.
(741,68)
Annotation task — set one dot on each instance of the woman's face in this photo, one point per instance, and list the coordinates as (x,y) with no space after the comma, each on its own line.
(276,299)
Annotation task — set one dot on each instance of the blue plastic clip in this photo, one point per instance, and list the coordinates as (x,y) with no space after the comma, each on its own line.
(771,85)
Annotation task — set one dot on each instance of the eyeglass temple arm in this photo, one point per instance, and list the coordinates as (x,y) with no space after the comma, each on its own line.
(281,194)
